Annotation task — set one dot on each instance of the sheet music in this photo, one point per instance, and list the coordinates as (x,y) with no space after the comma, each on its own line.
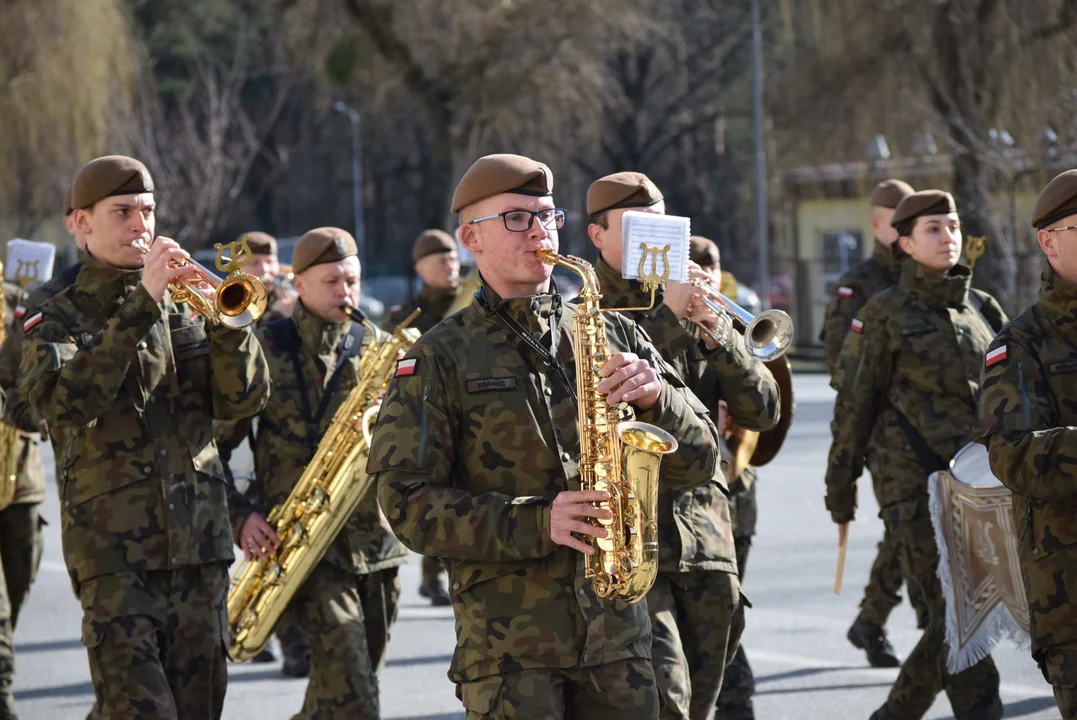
(29,264)
(655,231)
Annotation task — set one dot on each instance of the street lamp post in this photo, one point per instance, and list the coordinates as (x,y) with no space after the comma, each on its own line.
(763,257)
(357,177)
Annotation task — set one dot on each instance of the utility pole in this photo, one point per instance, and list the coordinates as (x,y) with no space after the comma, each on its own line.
(357,177)
(763,247)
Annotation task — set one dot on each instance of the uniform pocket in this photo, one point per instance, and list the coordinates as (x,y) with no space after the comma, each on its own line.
(483,699)
(93,628)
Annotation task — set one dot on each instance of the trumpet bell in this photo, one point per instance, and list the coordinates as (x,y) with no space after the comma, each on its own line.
(769,335)
(240,299)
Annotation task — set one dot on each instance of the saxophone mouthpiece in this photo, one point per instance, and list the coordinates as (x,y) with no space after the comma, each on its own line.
(354,314)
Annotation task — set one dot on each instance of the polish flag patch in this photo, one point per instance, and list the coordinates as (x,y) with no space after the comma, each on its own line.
(845,292)
(857,326)
(33,320)
(20,310)
(404,368)
(995,356)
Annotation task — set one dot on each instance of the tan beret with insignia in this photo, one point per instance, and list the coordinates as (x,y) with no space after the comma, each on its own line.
(432,242)
(925,202)
(1058,200)
(504,173)
(703,251)
(890,193)
(67,203)
(109,176)
(621,190)
(323,245)
(260,243)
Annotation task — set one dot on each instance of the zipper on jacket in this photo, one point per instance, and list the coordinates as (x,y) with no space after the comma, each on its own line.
(423,422)
(1026,408)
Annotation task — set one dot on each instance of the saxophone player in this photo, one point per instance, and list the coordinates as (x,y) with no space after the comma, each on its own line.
(695,603)
(477,455)
(348,604)
(129,385)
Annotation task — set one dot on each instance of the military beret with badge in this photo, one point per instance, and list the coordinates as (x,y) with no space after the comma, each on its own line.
(323,245)
(502,173)
(109,176)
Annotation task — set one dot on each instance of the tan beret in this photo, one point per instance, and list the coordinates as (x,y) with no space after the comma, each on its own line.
(703,251)
(1058,200)
(260,243)
(67,203)
(890,193)
(504,173)
(432,242)
(925,202)
(621,190)
(323,245)
(109,176)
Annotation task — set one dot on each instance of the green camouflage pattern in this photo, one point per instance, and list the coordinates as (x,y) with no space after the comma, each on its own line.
(30,470)
(1060,669)
(129,389)
(743,507)
(738,685)
(1026,420)
(282,449)
(21,544)
(469,452)
(919,352)
(883,592)
(864,281)
(973,693)
(432,304)
(156,642)
(273,312)
(621,690)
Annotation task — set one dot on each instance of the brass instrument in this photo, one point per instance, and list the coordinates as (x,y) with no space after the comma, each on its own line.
(321,503)
(9,434)
(238,300)
(618,455)
(766,336)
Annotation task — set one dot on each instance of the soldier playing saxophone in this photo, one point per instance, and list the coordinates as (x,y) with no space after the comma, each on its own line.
(477,455)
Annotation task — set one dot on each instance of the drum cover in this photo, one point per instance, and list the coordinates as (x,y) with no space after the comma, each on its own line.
(979,565)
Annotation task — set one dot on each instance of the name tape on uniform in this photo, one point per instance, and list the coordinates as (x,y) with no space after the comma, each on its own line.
(31,321)
(995,356)
(406,367)
(845,292)
(857,326)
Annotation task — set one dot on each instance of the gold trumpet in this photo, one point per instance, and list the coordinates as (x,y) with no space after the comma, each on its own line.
(238,300)
(766,336)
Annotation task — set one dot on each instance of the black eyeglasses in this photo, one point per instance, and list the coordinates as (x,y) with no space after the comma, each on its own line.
(522,220)
(1068,227)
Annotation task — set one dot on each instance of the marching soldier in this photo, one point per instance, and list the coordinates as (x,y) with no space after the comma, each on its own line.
(437,262)
(265,266)
(906,381)
(347,606)
(476,453)
(879,272)
(129,386)
(1026,420)
(695,603)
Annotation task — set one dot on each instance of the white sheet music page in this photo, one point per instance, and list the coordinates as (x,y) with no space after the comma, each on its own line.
(654,232)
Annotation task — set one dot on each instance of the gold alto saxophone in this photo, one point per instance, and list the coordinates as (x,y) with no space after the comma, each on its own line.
(318,507)
(9,434)
(618,454)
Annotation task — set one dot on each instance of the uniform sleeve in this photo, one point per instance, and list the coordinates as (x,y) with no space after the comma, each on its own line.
(17,411)
(747,386)
(70,385)
(412,458)
(840,311)
(864,368)
(239,371)
(1016,420)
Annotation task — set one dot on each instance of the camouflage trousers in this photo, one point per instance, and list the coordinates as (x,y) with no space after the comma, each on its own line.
(623,690)
(432,567)
(1059,666)
(156,642)
(697,619)
(973,693)
(738,686)
(329,611)
(20,556)
(883,592)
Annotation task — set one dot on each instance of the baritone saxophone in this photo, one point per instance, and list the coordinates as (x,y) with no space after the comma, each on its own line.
(618,455)
(323,500)
(9,434)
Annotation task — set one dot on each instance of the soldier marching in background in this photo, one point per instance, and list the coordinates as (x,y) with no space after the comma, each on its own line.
(906,381)
(129,385)
(476,452)
(1027,420)
(695,604)
(347,605)
(862,282)
(264,265)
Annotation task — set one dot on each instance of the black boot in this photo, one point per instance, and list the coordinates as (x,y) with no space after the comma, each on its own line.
(296,666)
(871,638)
(435,591)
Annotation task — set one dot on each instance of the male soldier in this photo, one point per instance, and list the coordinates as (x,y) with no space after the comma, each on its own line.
(314,365)
(695,603)
(129,385)
(477,450)
(882,270)
(1026,418)
(437,262)
(265,266)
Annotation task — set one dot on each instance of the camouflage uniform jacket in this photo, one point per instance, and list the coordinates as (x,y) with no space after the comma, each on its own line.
(1027,418)
(282,448)
(694,526)
(474,441)
(129,389)
(432,303)
(862,282)
(30,471)
(916,348)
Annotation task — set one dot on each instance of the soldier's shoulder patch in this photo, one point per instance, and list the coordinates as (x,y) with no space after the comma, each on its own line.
(406,367)
(20,311)
(32,321)
(845,292)
(995,356)
(857,326)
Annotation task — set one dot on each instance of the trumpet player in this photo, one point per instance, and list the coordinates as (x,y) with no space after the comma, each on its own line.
(695,604)
(348,604)
(477,454)
(130,385)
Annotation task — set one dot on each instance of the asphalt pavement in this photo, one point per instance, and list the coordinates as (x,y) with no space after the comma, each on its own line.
(795,639)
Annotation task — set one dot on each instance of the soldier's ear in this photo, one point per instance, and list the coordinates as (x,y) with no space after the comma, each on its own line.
(469,237)
(82,221)
(1047,243)
(906,244)
(594,231)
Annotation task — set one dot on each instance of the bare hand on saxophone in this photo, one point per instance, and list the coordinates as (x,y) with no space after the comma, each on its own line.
(163,265)
(569,514)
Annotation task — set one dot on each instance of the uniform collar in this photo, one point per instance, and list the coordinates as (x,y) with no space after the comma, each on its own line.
(106,286)
(619,292)
(432,295)
(884,256)
(318,336)
(533,312)
(1056,294)
(930,290)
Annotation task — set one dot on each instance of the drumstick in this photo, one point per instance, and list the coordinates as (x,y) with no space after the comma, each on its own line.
(843,545)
